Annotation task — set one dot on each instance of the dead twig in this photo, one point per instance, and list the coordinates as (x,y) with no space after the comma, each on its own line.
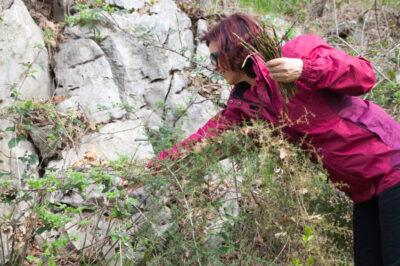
(377,22)
(189,214)
(335,18)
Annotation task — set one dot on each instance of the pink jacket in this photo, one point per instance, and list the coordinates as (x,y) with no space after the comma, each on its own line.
(359,143)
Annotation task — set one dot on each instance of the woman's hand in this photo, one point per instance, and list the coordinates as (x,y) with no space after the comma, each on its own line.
(285,69)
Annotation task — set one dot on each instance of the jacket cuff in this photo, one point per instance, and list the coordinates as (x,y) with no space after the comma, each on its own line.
(308,74)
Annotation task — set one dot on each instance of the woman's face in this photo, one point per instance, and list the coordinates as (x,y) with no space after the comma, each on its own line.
(232,77)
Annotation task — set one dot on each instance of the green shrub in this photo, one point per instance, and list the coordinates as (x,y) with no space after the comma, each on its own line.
(269,204)
(387,95)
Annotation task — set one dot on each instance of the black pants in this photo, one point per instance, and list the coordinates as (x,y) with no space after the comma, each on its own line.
(376,226)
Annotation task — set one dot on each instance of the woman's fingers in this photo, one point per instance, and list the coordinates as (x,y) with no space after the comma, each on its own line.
(281,77)
(277,65)
(275,62)
(278,75)
(285,69)
(284,76)
(276,70)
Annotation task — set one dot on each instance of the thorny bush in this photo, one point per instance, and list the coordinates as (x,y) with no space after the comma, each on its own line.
(267,203)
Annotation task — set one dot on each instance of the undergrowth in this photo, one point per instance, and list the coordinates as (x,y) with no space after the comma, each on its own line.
(267,204)
(387,94)
(50,130)
(276,6)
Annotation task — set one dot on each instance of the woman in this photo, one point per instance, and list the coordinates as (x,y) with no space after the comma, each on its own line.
(359,143)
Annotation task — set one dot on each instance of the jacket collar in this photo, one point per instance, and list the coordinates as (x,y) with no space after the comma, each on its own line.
(260,70)
(273,97)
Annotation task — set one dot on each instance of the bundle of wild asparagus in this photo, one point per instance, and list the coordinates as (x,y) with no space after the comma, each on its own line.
(268,45)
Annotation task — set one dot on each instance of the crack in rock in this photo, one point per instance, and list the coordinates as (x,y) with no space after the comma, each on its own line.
(86,61)
(164,114)
(117,68)
(5,4)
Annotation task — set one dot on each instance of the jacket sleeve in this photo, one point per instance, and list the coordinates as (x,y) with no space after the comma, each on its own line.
(328,68)
(215,126)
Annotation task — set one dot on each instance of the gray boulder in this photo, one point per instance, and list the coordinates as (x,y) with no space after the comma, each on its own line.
(23,57)
(13,163)
(127,4)
(5,4)
(126,138)
(144,51)
(84,75)
(202,52)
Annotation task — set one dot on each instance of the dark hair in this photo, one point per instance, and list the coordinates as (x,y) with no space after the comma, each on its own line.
(225,34)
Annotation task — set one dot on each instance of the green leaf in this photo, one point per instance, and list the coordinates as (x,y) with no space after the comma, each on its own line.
(9,198)
(296,262)
(131,201)
(12,129)
(14,93)
(33,159)
(224,250)
(307,234)
(52,261)
(310,261)
(13,143)
(30,258)
(42,230)
(4,173)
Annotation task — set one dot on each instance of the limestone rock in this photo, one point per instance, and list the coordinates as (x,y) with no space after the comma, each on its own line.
(47,148)
(187,107)
(127,4)
(12,165)
(202,52)
(144,50)
(5,4)
(84,75)
(150,119)
(22,51)
(113,140)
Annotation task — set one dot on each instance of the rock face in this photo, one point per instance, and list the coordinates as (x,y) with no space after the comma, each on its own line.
(127,4)
(126,138)
(5,4)
(22,53)
(12,167)
(24,70)
(133,76)
(202,52)
(135,72)
(85,77)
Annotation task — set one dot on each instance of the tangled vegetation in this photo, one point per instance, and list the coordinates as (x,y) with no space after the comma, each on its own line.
(49,129)
(267,204)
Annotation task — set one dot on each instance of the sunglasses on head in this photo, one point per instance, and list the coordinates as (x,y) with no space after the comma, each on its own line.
(214,58)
